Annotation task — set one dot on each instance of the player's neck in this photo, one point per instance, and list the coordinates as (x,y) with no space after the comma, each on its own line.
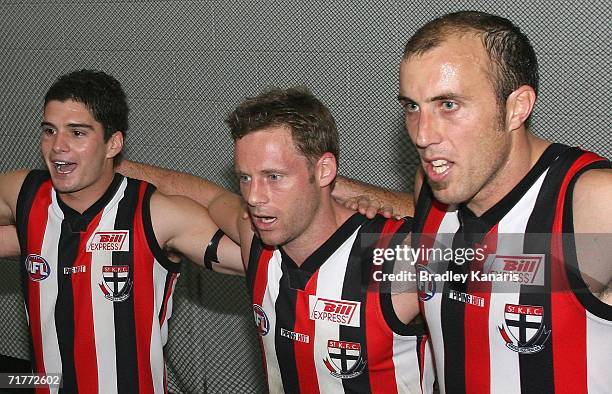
(330,216)
(82,199)
(524,154)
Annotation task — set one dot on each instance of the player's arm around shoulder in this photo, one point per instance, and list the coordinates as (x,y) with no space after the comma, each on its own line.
(181,225)
(370,200)
(592,214)
(229,212)
(10,185)
(172,182)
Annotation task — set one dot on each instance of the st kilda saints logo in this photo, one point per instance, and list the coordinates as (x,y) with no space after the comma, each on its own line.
(117,282)
(345,359)
(37,267)
(523,329)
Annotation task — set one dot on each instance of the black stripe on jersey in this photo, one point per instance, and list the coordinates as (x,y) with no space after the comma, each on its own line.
(536,370)
(285,318)
(158,253)
(64,308)
(256,249)
(579,287)
(123,312)
(423,206)
(453,324)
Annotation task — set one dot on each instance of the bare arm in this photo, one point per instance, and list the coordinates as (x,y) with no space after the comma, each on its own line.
(171,182)
(9,244)
(10,185)
(593,230)
(224,207)
(183,226)
(370,200)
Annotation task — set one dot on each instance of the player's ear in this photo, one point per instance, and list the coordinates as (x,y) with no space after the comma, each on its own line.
(114,145)
(326,169)
(519,106)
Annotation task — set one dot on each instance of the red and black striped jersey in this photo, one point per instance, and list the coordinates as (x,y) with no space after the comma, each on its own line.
(327,326)
(98,288)
(521,320)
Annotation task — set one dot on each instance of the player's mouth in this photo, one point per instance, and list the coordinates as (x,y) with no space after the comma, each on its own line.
(437,169)
(63,167)
(264,222)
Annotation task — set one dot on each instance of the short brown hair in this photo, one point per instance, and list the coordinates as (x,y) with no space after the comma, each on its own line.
(513,59)
(312,126)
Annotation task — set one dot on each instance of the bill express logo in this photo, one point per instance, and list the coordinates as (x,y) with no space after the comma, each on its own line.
(528,269)
(334,311)
(113,241)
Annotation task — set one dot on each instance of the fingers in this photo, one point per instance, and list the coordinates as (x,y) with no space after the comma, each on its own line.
(387,212)
(369,207)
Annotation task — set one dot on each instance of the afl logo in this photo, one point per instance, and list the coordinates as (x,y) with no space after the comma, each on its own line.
(37,267)
(425,283)
(261,320)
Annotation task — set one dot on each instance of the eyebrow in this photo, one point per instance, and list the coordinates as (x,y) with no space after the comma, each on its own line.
(73,125)
(448,96)
(403,98)
(441,97)
(265,172)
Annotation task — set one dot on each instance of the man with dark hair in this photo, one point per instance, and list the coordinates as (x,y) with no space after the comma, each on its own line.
(98,286)
(325,324)
(468,84)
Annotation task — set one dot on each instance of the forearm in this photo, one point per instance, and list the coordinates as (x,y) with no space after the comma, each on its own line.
(173,182)
(402,203)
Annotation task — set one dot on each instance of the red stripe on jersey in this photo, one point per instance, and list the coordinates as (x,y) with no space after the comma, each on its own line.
(434,219)
(85,361)
(304,361)
(570,372)
(259,290)
(143,298)
(378,335)
(167,298)
(476,318)
(37,223)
